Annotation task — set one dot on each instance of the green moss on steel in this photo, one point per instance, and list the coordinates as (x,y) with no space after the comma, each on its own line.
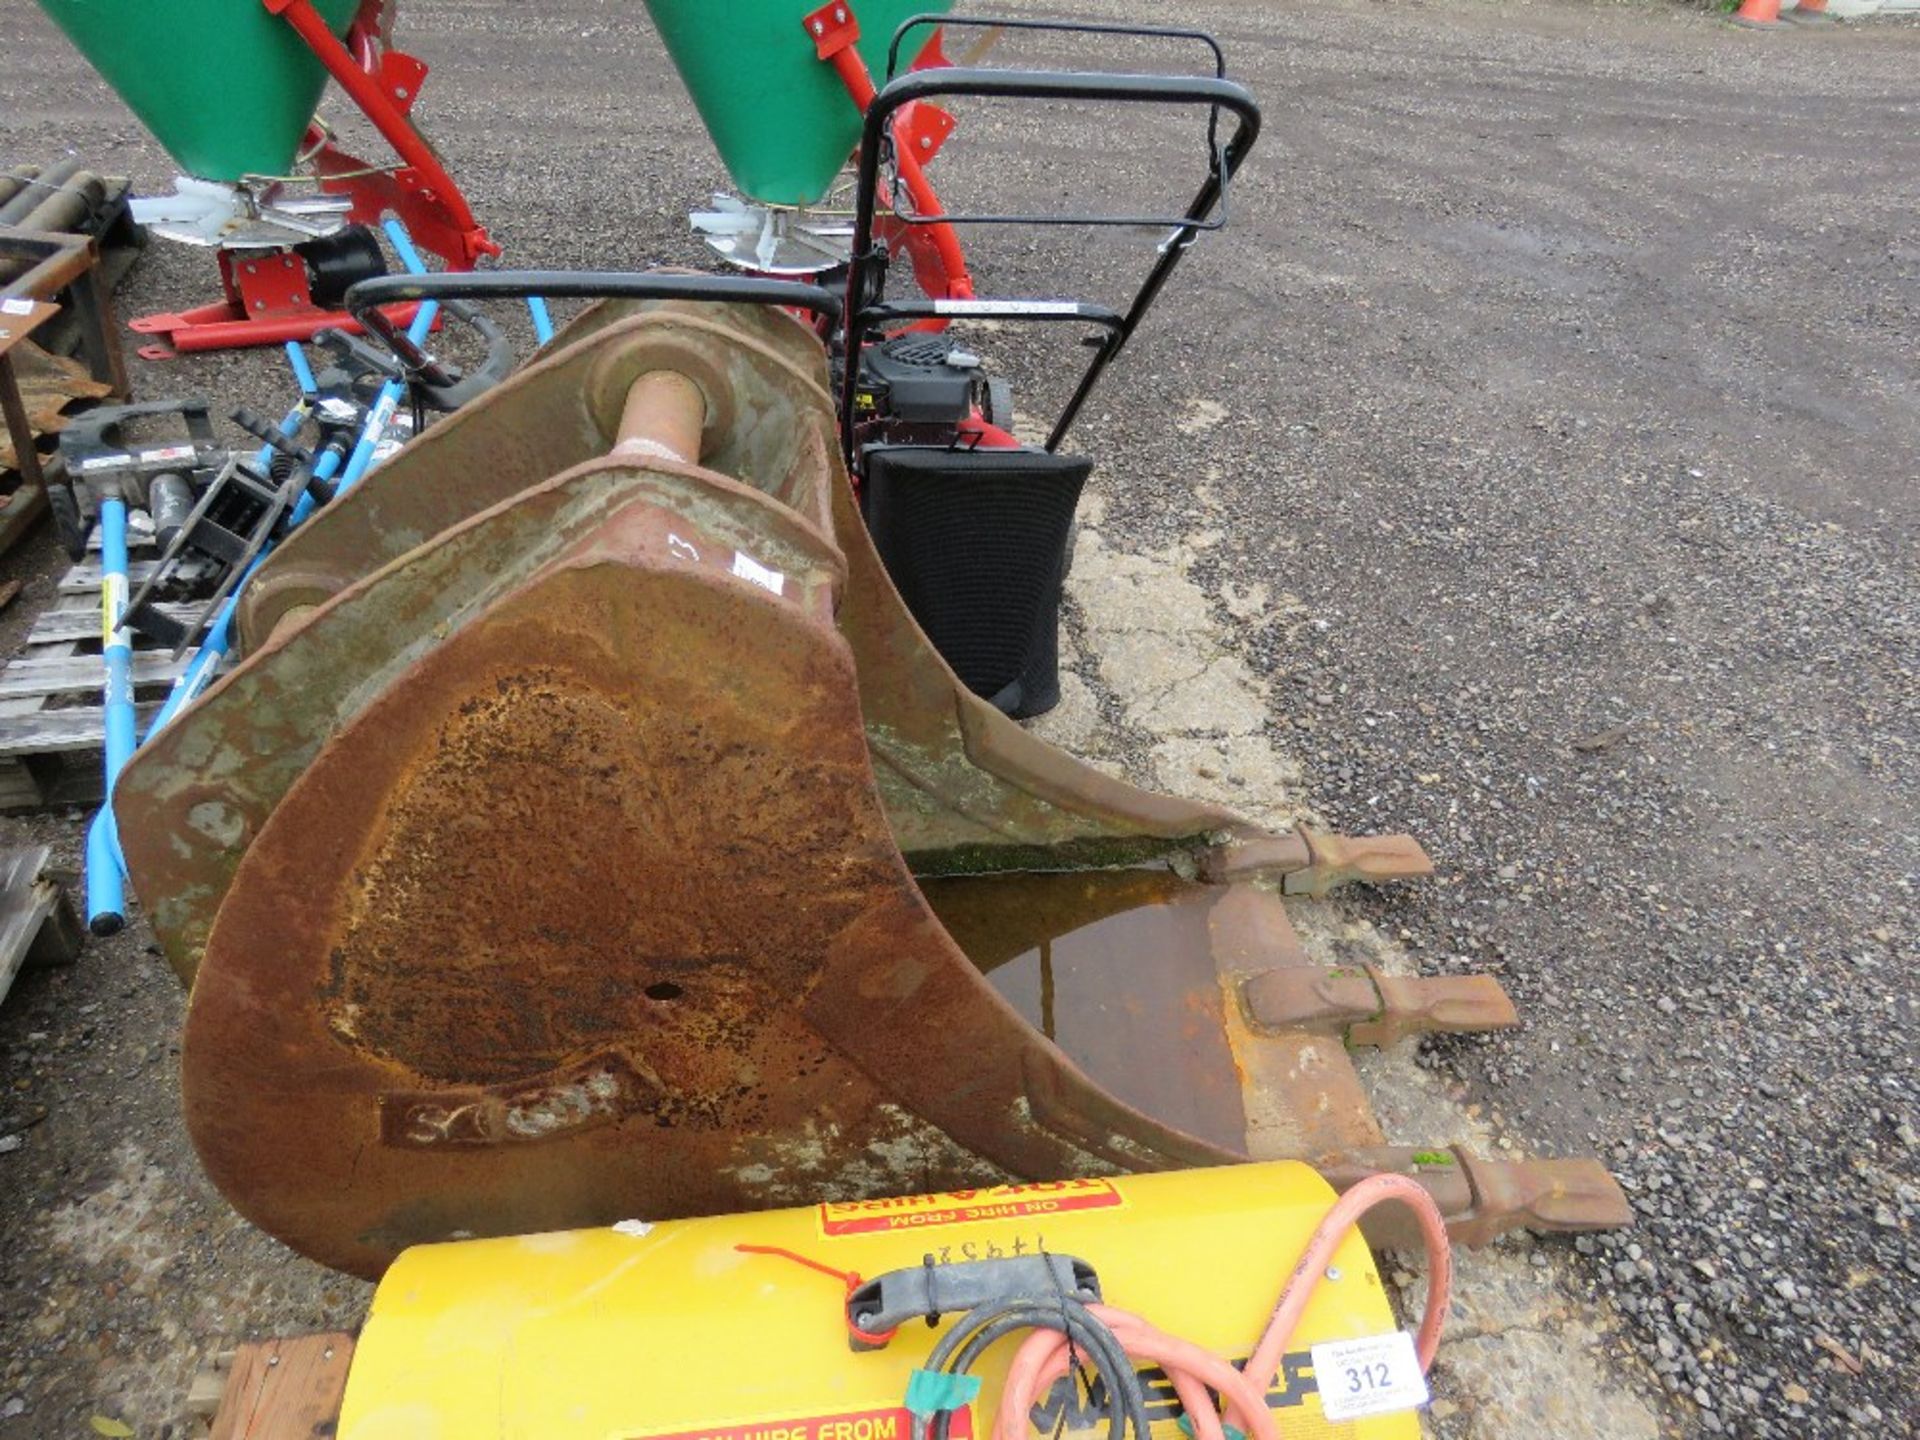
(1087,853)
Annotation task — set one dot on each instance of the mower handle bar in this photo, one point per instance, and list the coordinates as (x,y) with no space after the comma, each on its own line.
(934,19)
(1209,90)
(937,21)
(1212,91)
(364,299)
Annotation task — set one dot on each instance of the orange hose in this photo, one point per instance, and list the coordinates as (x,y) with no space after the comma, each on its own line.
(1346,1212)
(1044,1356)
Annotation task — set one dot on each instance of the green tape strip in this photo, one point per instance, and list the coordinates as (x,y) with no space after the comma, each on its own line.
(932,1392)
(1234,1432)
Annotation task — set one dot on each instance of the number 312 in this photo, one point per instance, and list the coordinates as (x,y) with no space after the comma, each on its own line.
(1368,1377)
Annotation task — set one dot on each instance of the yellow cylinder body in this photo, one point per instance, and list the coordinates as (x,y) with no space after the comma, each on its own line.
(672,1332)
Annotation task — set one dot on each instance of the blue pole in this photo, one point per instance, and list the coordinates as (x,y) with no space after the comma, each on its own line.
(106,883)
(302,371)
(542,322)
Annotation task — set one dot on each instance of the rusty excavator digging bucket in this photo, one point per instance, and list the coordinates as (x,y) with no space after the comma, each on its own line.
(589,833)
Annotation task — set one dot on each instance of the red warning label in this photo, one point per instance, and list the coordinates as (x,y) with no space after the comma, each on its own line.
(884,1424)
(962,1207)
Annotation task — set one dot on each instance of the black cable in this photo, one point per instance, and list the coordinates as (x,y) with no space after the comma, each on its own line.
(1082,1328)
(962,1346)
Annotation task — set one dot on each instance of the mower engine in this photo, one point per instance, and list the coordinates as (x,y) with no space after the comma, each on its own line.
(922,389)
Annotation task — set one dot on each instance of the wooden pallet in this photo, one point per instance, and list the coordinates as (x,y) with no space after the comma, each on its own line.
(37,923)
(52,724)
(282,1389)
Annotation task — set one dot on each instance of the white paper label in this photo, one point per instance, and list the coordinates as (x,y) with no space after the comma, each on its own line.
(1376,1375)
(166,452)
(16,307)
(750,569)
(1006,307)
(380,416)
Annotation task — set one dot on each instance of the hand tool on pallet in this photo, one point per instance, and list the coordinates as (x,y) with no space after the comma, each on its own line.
(105,865)
(107,475)
(624,847)
(157,478)
(237,515)
(106,861)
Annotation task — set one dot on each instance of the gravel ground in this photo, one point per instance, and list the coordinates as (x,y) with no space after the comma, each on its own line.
(1561,363)
(1582,380)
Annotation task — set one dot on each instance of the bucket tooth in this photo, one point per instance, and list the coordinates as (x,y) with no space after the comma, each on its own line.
(1267,856)
(1563,1194)
(1366,1006)
(1325,1000)
(1337,860)
(1307,861)
(1484,1199)
(1433,1005)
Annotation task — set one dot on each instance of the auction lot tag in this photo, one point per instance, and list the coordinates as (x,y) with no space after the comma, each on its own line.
(1376,1375)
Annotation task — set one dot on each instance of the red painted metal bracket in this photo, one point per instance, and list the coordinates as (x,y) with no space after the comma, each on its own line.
(919,131)
(268,303)
(385,97)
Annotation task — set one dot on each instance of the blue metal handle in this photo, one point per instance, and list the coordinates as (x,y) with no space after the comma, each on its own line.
(542,322)
(106,880)
(302,371)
